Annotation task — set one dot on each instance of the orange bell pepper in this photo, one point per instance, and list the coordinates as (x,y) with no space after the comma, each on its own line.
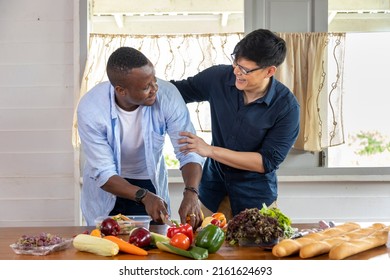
(220,217)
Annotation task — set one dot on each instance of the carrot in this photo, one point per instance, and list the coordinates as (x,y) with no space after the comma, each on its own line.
(96,232)
(126,246)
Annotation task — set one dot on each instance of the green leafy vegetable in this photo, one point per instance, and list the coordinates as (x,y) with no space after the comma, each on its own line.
(283,220)
(252,225)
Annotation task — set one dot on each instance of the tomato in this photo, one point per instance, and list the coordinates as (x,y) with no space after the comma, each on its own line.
(180,240)
(221,218)
(186,229)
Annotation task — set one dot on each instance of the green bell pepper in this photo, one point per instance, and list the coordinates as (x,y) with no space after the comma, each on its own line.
(210,237)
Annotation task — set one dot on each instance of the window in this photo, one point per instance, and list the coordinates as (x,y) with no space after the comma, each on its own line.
(366,103)
(154,19)
(366,88)
(366,97)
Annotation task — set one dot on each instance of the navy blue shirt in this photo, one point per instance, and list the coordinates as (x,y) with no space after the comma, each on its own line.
(269,126)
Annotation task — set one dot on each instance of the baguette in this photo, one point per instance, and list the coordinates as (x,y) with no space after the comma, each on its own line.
(359,233)
(349,248)
(334,231)
(289,247)
(322,247)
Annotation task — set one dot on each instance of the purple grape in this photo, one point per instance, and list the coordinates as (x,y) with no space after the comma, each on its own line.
(43,239)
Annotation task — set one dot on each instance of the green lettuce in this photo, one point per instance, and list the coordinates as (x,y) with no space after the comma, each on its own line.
(283,220)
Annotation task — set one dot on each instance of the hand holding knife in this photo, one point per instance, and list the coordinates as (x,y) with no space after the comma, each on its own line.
(166,219)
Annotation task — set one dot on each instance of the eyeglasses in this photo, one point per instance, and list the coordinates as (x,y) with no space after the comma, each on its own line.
(243,70)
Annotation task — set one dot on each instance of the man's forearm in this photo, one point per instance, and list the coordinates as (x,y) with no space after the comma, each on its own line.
(192,174)
(120,187)
(251,161)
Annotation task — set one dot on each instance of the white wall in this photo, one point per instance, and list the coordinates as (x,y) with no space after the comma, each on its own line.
(36,110)
(330,198)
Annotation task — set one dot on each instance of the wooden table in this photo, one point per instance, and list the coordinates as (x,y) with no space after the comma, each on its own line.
(227,252)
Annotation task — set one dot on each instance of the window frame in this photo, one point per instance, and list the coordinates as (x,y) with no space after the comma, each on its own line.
(298,166)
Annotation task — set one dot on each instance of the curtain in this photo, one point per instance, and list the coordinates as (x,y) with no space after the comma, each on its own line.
(305,72)
(174,57)
(313,70)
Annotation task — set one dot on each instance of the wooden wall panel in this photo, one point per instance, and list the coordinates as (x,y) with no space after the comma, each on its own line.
(36,141)
(36,75)
(53,53)
(37,212)
(27,10)
(36,97)
(36,201)
(37,185)
(59,164)
(36,119)
(38,31)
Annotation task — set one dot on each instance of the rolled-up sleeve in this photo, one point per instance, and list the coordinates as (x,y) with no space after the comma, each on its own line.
(281,137)
(98,152)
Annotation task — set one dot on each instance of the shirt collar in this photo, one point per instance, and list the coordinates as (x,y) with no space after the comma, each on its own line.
(270,92)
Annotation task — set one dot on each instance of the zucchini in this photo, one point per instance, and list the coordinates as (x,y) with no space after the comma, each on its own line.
(194,252)
(156,237)
(95,245)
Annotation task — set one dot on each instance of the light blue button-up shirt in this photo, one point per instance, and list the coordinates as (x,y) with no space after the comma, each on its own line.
(99,131)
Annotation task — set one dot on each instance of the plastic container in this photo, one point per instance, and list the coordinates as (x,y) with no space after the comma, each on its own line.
(128,225)
(41,250)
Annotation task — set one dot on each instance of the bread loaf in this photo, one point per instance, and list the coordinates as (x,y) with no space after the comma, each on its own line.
(359,233)
(322,247)
(355,246)
(289,247)
(334,231)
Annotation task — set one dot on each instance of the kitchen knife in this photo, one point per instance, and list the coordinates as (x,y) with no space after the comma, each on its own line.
(166,220)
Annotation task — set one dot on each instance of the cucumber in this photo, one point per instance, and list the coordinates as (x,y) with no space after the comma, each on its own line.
(156,237)
(195,252)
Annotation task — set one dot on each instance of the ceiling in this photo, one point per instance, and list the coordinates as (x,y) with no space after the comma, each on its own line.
(219,16)
(166,16)
(358,15)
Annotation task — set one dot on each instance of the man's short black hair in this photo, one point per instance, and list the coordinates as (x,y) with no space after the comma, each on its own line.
(122,61)
(263,47)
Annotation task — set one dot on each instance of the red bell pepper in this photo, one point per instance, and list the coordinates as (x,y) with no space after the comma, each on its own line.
(186,229)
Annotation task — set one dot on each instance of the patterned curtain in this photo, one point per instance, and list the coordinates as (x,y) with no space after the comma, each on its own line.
(313,71)
(174,57)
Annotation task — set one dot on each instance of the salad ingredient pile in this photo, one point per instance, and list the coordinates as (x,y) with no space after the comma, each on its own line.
(251,224)
(283,221)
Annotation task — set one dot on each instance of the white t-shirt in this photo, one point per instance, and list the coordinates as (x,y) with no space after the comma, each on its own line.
(133,163)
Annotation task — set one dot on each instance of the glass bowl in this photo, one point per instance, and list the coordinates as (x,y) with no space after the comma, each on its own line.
(41,250)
